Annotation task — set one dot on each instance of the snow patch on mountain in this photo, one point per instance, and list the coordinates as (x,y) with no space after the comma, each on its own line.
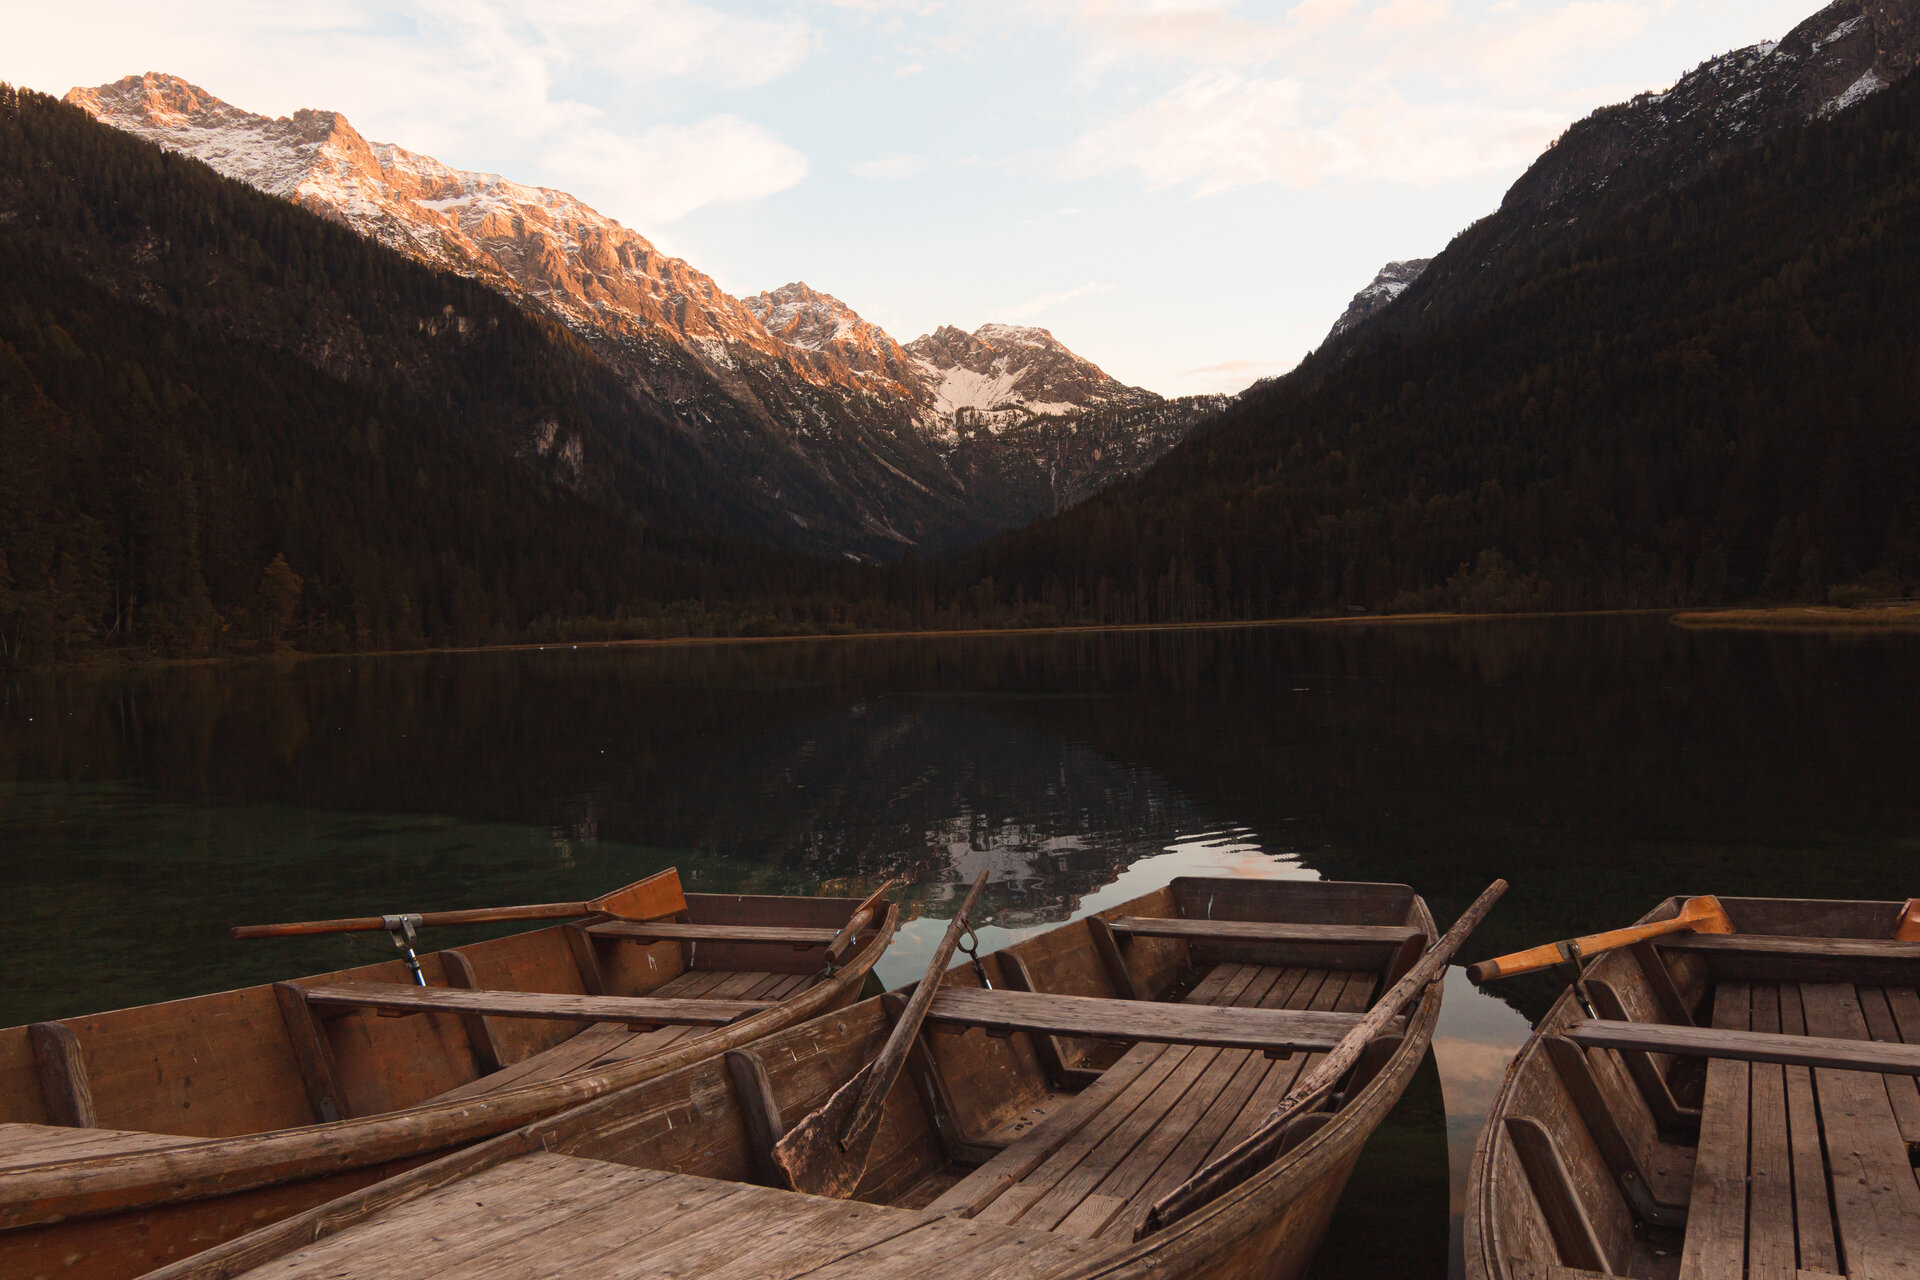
(1390,283)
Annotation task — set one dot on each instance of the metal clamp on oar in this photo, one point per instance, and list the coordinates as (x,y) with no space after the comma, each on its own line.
(1266,1143)
(825,1152)
(1696,915)
(402,929)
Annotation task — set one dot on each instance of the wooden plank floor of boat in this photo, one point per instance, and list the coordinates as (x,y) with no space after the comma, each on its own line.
(1807,1170)
(555,1215)
(605,1043)
(1095,1165)
(1068,1191)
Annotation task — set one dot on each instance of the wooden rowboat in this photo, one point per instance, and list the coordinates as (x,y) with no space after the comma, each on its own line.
(1059,1096)
(1735,1102)
(132,1138)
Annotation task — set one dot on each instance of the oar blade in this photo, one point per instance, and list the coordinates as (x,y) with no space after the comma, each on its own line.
(810,1156)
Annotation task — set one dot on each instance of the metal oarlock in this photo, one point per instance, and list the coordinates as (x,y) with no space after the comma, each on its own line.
(1569,968)
(402,929)
(970,943)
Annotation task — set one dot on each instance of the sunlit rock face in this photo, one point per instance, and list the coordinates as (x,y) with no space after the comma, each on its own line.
(790,391)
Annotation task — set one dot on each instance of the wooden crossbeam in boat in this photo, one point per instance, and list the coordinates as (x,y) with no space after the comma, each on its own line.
(1749,1046)
(1275,1030)
(634,1010)
(1759,957)
(678,931)
(1382,936)
(63,1075)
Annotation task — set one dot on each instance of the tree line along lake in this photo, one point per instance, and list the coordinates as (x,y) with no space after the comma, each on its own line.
(1598,763)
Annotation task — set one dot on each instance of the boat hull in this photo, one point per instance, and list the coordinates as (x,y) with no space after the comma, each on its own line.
(117,1215)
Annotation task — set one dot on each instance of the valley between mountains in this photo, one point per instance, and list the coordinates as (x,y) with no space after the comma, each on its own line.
(265,382)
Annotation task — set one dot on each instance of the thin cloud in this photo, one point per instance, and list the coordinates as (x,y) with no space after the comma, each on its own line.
(892,167)
(1043,302)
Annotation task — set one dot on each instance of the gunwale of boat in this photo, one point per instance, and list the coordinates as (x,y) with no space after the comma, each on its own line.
(1792,1185)
(1266,1226)
(177,1169)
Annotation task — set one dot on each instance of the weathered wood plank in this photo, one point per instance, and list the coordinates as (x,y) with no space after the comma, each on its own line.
(1226,1103)
(969,1250)
(25,1144)
(1124,1172)
(1771,1249)
(477,1216)
(1750,1046)
(63,1074)
(533,1004)
(1381,936)
(1716,1244)
(1812,1203)
(673,931)
(759,1110)
(1080,1121)
(1763,958)
(1114,958)
(1902,1091)
(1214,1025)
(1553,1190)
(486,1048)
(1876,1200)
(312,1053)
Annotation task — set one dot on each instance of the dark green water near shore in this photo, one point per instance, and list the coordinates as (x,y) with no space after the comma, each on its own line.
(1597,763)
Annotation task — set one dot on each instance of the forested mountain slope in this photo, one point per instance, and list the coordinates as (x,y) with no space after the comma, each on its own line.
(1711,394)
(196,378)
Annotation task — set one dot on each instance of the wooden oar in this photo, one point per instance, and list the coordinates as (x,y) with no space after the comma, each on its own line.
(862,917)
(1222,1175)
(825,1152)
(1908,930)
(633,902)
(1697,915)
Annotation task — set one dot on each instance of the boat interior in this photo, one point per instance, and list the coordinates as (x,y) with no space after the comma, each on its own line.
(1621,1150)
(1058,1088)
(508,1013)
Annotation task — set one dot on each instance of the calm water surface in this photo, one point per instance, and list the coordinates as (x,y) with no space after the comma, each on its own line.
(1597,763)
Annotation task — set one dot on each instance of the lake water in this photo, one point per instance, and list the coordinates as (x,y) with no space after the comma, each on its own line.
(1598,763)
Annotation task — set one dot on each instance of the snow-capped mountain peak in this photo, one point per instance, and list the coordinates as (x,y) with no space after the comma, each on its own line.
(1002,369)
(827,417)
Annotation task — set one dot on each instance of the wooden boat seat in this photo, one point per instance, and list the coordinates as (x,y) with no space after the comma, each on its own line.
(1773,958)
(1749,1046)
(675,931)
(605,1043)
(1361,935)
(1804,1166)
(549,1215)
(633,1010)
(1095,1165)
(1095,1018)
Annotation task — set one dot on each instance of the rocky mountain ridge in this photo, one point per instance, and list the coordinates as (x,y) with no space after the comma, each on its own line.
(791,392)
(1389,283)
(1625,154)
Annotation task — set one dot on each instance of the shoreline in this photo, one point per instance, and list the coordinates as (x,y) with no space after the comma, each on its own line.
(1802,617)
(122,661)
(1837,618)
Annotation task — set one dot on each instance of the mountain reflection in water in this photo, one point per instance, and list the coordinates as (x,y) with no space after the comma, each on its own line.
(1598,763)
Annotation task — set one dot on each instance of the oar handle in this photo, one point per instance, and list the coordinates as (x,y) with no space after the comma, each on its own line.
(1701,915)
(863,915)
(367,924)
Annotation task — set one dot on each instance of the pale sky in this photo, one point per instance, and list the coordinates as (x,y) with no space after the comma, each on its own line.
(1186,192)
